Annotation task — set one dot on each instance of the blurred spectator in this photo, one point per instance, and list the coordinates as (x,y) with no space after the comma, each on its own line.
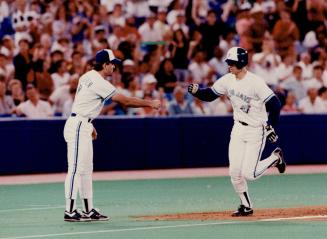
(77,64)
(16,91)
(305,63)
(61,26)
(217,62)
(266,62)
(149,85)
(312,104)
(116,37)
(200,69)
(161,23)
(200,12)
(60,76)
(228,41)
(116,17)
(180,48)
(221,106)
(179,106)
(67,107)
(180,23)
(290,104)
(6,67)
(322,93)
(22,62)
(285,68)
(256,31)
(295,83)
(166,77)
(41,78)
(33,108)
(130,31)
(242,26)
(285,34)
(6,101)
(62,94)
(196,43)
(200,107)
(317,81)
(149,33)
(211,31)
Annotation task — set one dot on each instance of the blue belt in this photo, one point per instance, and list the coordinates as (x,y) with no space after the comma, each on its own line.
(74,115)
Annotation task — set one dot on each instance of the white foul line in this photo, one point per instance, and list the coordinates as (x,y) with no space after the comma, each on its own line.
(163,227)
(29,209)
(122,230)
(292,218)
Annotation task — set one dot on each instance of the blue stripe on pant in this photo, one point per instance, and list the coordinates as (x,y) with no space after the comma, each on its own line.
(76,159)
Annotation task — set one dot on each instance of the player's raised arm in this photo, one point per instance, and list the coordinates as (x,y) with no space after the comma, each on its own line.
(205,94)
(135,102)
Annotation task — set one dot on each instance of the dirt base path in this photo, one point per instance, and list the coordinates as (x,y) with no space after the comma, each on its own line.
(301,213)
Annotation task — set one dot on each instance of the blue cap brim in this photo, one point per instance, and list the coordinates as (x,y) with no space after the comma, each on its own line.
(116,61)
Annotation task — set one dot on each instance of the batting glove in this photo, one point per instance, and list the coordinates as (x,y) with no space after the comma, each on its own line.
(193,88)
(271,134)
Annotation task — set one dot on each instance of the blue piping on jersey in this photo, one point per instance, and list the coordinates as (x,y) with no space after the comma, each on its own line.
(259,156)
(75,160)
(216,92)
(110,95)
(268,98)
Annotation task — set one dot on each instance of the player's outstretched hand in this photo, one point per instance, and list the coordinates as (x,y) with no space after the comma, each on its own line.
(271,134)
(156,104)
(193,88)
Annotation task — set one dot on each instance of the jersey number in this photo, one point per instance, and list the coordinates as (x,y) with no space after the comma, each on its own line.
(245,108)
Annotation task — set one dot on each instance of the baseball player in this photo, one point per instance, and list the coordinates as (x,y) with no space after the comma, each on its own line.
(92,91)
(256,110)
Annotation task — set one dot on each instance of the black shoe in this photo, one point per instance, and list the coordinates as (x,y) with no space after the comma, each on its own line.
(95,215)
(242,211)
(281,165)
(75,216)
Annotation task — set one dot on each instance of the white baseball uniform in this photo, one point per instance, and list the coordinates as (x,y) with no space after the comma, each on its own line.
(248,96)
(91,93)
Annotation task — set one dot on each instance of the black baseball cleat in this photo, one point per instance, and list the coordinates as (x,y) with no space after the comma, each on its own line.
(281,165)
(95,215)
(75,216)
(242,211)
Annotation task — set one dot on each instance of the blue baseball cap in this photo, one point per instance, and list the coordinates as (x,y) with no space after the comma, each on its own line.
(106,56)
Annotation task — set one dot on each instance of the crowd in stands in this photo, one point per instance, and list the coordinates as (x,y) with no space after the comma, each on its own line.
(46,45)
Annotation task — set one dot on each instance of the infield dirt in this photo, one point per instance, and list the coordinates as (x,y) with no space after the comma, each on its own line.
(267,213)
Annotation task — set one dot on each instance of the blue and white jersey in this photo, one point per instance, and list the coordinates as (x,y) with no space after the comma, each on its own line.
(92,91)
(247,95)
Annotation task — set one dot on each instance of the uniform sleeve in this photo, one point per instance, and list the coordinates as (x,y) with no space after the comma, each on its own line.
(104,89)
(219,86)
(263,91)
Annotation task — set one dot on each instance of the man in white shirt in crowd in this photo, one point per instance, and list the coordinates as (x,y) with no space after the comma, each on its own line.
(266,62)
(33,108)
(60,95)
(312,104)
(61,75)
(322,92)
(317,80)
(148,32)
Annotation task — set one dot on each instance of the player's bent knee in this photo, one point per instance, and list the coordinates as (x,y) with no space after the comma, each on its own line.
(249,175)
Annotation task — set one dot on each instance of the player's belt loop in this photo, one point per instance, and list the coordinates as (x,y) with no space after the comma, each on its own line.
(243,123)
(89,120)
